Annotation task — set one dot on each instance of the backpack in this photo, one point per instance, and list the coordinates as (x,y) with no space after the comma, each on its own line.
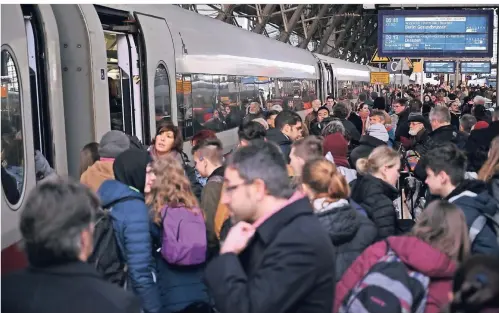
(184,240)
(389,286)
(480,222)
(106,256)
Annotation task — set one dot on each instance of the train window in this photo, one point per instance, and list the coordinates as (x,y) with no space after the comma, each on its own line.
(13,165)
(162,100)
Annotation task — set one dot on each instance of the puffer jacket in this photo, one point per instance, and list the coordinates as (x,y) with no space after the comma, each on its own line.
(473,198)
(367,145)
(132,229)
(178,286)
(493,187)
(376,197)
(413,252)
(351,233)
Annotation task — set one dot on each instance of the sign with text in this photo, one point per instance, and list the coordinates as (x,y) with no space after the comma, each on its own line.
(440,67)
(380,78)
(475,67)
(435,33)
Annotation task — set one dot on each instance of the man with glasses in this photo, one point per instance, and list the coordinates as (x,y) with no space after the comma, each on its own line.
(277,258)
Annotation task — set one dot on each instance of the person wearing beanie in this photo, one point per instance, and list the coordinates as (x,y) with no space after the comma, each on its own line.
(379,104)
(335,148)
(480,125)
(376,135)
(112,144)
(418,133)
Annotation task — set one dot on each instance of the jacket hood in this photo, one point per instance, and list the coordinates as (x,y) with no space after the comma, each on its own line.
(367,185)
(475,186)
(276,136)
(338,218)
(472,196)
(100,170)
(112,190)
(371,141)
(422,257)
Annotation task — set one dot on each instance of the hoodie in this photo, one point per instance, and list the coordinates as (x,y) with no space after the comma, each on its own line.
(96,174)
(350,232)
(415,253)
(132,229)
(276,136)
(472,197)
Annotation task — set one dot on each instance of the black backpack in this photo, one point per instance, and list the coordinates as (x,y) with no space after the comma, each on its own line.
(106,256)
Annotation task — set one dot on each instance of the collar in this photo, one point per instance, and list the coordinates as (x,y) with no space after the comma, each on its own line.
(220,171)
(72,268)
(267,227)
(106,159)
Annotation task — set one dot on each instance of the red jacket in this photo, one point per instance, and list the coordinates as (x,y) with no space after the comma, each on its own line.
(415,253)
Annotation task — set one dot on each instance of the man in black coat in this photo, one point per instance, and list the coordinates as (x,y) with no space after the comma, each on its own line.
(400,108)
(277,258)
(57,226)
(479,141)
(288,128)
(443,132)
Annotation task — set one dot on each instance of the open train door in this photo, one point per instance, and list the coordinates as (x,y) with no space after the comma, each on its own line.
(160,68)
(18,166)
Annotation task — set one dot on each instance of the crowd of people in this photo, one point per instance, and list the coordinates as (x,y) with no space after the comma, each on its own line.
(385,204)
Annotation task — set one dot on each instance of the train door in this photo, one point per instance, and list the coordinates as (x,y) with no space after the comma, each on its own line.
(160,67)
(18,174)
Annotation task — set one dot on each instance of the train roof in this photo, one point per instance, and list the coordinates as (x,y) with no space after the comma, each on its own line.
(206,45)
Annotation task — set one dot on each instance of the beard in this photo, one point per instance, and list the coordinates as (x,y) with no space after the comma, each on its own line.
(414,132)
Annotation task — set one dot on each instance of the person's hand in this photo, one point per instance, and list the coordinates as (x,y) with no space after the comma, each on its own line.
(238,238)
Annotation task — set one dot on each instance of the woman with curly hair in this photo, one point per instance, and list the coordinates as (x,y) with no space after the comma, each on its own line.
(168,191)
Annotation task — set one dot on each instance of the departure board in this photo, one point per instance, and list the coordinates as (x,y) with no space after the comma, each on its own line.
(435,33)
(475,67)
(440,67)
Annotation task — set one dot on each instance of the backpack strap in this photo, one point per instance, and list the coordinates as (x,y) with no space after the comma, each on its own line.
(110,205)
(477,226)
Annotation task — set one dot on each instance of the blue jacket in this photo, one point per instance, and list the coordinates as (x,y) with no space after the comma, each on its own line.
(178,286)
(473,199)
(132,228)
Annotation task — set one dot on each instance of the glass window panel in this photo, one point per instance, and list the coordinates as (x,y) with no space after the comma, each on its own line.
(162,100)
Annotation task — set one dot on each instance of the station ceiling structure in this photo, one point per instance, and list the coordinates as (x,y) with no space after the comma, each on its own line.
(344,31)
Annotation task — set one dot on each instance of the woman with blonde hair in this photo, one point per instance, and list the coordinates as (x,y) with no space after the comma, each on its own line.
(374,189)
(170,199)
(489,172)
(437,244)
(351,231)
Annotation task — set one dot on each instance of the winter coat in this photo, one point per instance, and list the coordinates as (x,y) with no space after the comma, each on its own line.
(402,129)
(97,173)
(413,252)
(478,145)
(376,197)
(210,197)
(179,286)
(132,229)
(350,232)
(286,267)
(367,145)
(472,197)
(275,135)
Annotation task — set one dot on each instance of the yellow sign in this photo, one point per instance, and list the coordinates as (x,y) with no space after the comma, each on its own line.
(377,59)
(380,78)
(418,67)
(187,87)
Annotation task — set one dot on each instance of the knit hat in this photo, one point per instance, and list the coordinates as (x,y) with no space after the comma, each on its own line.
(378,131)
(481,125)
(338,146)
(379,103)
(113,143)
(416,117)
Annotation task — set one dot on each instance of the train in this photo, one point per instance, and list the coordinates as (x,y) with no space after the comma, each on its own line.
(70,73)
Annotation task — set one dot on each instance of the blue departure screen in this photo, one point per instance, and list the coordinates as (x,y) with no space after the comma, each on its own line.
(475,67)
(433,33)
(440,67)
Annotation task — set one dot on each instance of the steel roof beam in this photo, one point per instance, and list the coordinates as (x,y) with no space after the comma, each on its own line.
(362,38)
(342,35)
(355,33)
(323,10)
(227,12)
(266,15)
(284,36)
(334,22)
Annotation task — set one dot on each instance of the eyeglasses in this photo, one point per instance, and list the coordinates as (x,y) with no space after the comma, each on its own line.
(229,189)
